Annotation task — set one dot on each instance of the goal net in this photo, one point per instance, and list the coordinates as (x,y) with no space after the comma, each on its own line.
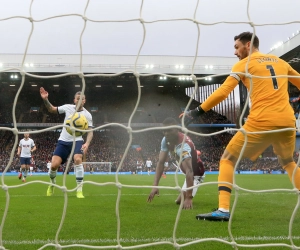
(84,43)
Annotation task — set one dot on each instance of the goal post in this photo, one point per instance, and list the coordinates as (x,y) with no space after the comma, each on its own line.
(97,167)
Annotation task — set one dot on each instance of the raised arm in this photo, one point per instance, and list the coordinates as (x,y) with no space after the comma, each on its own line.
(49,106)
(214,99)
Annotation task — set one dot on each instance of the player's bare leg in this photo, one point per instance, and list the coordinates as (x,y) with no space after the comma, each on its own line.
(20,173)
(25,172)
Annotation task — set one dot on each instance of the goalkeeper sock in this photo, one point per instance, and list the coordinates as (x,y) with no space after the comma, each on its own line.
(290,170)
(226,175)
(52,176)
(79,173)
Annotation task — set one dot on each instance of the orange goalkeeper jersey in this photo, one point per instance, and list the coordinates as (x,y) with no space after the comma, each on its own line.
(269,96)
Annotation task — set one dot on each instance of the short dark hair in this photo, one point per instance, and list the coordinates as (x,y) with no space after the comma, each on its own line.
(246,37)
(170,121)
(78,93)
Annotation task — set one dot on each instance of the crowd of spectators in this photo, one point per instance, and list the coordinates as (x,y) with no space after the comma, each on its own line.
(152,108)
(113,144)
(110,145)
(294,99)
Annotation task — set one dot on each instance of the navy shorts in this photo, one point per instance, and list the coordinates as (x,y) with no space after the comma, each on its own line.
(25,160)
(63,149)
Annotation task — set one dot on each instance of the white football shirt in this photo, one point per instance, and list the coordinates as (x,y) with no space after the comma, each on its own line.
(69,109)
(148,163)
(26,146)
(49,165)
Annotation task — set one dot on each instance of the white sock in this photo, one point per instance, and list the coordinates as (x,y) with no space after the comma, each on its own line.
(53,176)
(224,210)
(79,173)
(25,173)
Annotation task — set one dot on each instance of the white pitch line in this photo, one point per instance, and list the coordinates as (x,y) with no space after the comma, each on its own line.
(145,240)
(146,194)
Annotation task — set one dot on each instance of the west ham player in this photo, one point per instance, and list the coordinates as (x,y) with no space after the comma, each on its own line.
(65,141)
(171,146)
(199,176)
(26,147)
(270,110)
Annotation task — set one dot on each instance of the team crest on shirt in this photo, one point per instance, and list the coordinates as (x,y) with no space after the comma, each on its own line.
(185,154)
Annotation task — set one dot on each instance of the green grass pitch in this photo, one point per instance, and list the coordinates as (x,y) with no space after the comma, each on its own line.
(33,219)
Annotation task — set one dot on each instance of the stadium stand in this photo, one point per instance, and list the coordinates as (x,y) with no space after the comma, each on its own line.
(108,145)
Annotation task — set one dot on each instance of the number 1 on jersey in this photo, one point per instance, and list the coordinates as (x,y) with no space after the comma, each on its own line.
(272,72)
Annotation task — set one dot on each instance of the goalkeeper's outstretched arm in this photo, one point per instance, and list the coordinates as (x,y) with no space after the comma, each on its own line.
(191,115)
(214,99)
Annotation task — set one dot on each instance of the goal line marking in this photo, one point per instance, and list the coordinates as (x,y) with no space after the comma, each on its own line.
(145,194)
(143,240)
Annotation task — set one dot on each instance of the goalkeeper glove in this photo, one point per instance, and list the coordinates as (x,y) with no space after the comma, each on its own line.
(191,115)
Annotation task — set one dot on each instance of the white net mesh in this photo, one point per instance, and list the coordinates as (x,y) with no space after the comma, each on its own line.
(89,22)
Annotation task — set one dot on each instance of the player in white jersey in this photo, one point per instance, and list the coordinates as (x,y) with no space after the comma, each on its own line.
(65,141)
(26,147)
(148,165)
(49,167)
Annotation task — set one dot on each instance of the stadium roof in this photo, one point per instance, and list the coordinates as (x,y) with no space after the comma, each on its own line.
(157,71)
(290,51)
(117,70)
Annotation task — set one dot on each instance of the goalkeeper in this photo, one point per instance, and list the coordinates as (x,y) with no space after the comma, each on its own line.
(270,110)
(190,165)
(65,141)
